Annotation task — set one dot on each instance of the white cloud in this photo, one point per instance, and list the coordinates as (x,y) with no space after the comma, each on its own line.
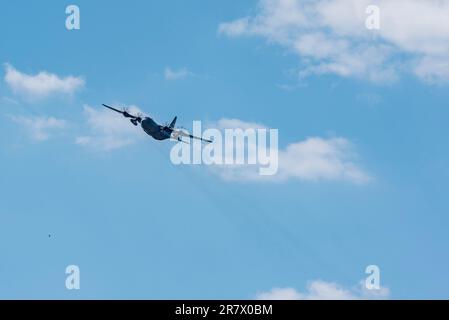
(40,128)
(109,130)
(40,85)
(330,36)
(312,159)
(321,290)
(170,74)
(280,294)
(321,159)
(226,123)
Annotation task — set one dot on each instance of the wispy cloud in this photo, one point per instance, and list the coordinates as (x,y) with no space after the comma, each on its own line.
(322,290)
(311,159)
(8,100)
(40,128)
(40,85)
(330,37)
(172,74)
(108,130)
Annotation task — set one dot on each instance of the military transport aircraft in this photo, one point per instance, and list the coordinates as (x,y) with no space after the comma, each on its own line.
(155,130)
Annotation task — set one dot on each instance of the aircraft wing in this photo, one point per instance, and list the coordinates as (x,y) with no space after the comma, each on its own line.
(181,133)
(116,110)
(124,113)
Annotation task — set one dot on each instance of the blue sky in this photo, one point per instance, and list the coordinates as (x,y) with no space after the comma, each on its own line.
(140,227)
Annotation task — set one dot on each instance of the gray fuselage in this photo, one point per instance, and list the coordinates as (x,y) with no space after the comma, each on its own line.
(155,130)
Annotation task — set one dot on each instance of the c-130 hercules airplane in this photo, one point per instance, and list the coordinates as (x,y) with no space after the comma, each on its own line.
(155,130)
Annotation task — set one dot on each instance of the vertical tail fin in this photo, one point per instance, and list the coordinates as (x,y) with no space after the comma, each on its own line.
(173,123)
